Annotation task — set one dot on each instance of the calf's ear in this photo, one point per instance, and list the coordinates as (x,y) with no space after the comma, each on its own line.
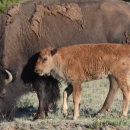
(54,51)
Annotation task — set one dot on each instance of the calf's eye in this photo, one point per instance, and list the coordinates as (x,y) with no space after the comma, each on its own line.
(44,59)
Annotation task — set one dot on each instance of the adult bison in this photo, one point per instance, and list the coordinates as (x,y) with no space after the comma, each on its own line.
(27,27)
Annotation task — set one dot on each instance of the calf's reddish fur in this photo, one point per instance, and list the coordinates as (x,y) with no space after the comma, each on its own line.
(81,63)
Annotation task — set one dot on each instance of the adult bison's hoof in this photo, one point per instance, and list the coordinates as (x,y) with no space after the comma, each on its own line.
(38,117)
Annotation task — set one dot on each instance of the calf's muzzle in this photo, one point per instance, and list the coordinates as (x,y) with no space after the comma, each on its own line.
(38,71)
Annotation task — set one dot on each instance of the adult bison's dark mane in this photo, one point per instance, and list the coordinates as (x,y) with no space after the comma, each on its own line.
(50,91)
(47,88)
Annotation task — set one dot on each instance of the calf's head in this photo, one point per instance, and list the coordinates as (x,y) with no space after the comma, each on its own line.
(45,63)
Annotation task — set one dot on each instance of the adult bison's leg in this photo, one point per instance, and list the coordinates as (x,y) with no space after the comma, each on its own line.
(110,97)
(41,98)
(76,99)
(66,94)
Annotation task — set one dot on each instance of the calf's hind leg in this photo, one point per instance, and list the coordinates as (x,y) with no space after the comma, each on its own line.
(111,94)
(66,94)
(76,99)
(126,98)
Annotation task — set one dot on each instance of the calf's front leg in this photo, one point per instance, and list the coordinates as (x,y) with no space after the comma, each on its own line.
(66,95)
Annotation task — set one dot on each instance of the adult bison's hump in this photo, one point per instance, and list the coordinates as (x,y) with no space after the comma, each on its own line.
(86,21)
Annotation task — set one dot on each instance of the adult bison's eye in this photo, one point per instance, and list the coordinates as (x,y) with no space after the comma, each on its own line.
(3,93)
(44,59)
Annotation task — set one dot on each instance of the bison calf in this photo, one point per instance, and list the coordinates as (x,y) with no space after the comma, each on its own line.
(81,63)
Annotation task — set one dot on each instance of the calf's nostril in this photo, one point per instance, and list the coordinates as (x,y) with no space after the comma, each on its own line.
(38,71)
(35,70)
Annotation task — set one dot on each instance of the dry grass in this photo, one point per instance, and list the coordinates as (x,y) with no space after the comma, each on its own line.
(93,96)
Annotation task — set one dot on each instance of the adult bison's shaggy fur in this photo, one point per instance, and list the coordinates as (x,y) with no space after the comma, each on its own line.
(27,27)
(78,63)
(49,93)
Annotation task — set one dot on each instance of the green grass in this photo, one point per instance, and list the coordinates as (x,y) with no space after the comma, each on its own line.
(6,3)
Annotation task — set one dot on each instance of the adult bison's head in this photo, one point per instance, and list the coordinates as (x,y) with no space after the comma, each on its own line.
(7,97)
(5,78)
(45,62)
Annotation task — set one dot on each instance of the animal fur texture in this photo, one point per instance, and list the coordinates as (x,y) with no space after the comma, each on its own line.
(81,63)
(28,26)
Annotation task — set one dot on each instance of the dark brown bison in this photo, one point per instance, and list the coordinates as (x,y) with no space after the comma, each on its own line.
(78,63)
(27,27)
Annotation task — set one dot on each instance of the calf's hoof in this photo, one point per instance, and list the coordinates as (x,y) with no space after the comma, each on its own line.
(65,113)
(99,114)
(123,115)
(75,118)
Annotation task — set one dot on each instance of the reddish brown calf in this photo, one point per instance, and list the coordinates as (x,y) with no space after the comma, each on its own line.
(81,63)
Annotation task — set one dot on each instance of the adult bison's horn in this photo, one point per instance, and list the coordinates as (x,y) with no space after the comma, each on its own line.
(9,77)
